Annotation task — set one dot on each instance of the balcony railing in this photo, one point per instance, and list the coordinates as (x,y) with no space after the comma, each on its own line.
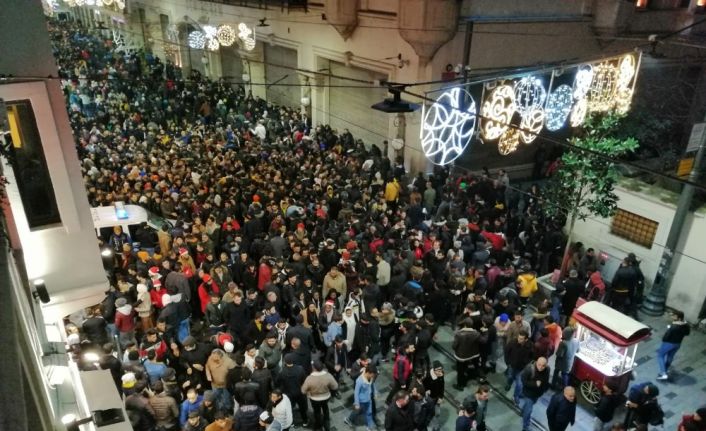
(284,5)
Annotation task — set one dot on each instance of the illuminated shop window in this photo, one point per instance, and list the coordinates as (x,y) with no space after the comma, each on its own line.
(634,228)
(30,166)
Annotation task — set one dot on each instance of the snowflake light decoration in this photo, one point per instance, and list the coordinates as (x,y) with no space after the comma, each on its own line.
(582,82)
(529,93)
(448,126)
(558,107)
(626,70)
(497,111)
(226,35)
(197,40)
(210,31)
(578,113)
(246,34)
(531,124)
(601,95)
(213,45)
(509,141)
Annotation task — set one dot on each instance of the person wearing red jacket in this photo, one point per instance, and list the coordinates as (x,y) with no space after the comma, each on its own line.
(124,322)
(264,275)
(205,289)
(156,294)
(402,370)
(695,422)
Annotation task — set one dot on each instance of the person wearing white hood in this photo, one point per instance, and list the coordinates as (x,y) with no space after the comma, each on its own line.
(124,322)
(348,328)
(143,306)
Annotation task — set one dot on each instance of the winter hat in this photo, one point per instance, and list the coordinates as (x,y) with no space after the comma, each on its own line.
(209,396)
(437,365)
(141,288)
(228,347)
(183,251)
(504,318)
(189,341)
(194,414)
(169,375)
(289,358)
(300,226)
(128,380)
(154,272)
(206,278)
(120,302)
(156,283)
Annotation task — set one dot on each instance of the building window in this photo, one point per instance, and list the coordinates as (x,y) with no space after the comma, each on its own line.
(30,166)
(634,228)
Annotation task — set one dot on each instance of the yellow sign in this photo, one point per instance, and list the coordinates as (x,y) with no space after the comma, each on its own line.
(685,166)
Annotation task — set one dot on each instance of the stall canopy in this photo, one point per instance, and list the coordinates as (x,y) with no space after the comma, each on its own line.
(613,325)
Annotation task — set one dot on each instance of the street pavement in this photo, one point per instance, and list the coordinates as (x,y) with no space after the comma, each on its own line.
(684,393)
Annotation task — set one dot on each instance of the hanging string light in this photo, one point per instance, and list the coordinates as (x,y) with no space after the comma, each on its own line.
(226,35)
(246,34)
(213,45)
(529,93)
(578,112)
(582,82)
(448,127)
(509,141)
(601,95)
(531,124)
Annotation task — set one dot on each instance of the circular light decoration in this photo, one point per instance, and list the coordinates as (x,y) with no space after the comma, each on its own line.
(197,40)
(579,112)
(448,126)
(529,93)
(582,82)
(623,100)
(249,44)
(226,35)
(213,45)
(531,124)
(497,111)
(627,70)
(90,2)
(80,2)
(509,141)
(558,107)
(601,95)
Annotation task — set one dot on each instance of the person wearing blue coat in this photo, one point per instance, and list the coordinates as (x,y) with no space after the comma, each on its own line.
(192,403)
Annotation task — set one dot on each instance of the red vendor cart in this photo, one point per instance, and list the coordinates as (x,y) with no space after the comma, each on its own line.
(608,342)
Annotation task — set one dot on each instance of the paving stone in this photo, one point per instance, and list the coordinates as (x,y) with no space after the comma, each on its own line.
(688,370)
(670,395)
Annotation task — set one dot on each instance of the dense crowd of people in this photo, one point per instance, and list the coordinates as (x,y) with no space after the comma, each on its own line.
(299,259)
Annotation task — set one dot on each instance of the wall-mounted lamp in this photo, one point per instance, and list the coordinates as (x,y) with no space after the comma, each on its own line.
(40,291)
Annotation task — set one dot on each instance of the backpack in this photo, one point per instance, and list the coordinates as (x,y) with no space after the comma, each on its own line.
(656,415)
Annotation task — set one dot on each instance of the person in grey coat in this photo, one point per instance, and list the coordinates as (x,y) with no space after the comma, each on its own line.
(565,354)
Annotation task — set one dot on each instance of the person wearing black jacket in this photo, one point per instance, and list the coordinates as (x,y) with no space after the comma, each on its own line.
(605,408)
(671,342)
(518,353)
(535,382)
(398,416)
(237,317)
(290,381)
(623,286)
(561,411)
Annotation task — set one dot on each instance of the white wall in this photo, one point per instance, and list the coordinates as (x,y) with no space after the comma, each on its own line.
(65,256)
(688,285)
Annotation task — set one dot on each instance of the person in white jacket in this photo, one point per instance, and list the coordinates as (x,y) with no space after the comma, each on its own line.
(281,408)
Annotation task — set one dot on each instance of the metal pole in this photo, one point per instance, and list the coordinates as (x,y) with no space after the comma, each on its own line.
(654,303)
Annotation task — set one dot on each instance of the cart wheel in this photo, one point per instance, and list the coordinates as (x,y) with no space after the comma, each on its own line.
(590,391)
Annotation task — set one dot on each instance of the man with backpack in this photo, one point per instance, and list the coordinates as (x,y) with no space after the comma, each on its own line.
(401,370)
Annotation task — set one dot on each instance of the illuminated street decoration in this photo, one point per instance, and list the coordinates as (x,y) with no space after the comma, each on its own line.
(113,4)
(197,40)
(247,35)
(579,112)
(213,45)
(574,92)
(448,127)
(582,82)
(601,95)
(531,124)
(627,70)
(529,93)
(210,31)
(509,141)
(558,107)
(497,111)
(623,100)
(226,35)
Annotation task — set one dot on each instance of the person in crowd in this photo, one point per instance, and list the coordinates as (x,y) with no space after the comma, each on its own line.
(693,422)
(166,410)
(565,355)
(192,403)
(466,346)
(362,399)
(671,342)
(605,408)
(642,398)
(280,408)
(399,415)
(518,353)
(535,382)
(561,411)
(290,381)
(318,387)
(476,406)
